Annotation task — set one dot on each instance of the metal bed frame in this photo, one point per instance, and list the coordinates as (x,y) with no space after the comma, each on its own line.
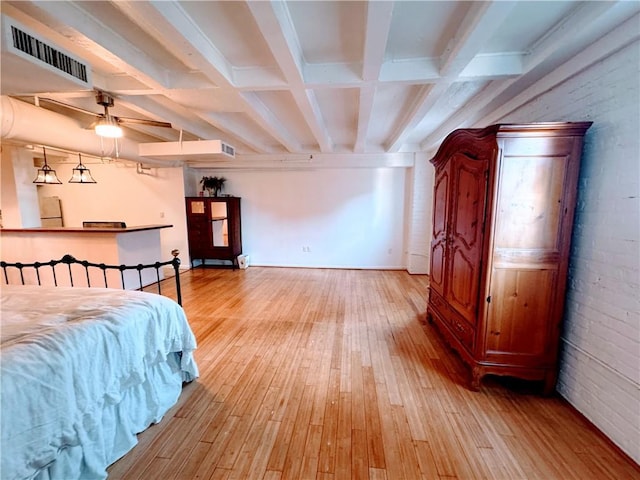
(70,260)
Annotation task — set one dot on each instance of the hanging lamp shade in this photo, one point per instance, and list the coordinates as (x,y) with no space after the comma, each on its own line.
(46,174)
(81,174)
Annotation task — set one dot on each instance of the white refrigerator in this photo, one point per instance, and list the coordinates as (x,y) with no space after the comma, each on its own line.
(50,212)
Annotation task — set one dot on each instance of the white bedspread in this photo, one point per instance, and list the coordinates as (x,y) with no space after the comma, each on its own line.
(69,353)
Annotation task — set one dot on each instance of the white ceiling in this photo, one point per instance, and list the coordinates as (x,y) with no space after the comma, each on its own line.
(309,77)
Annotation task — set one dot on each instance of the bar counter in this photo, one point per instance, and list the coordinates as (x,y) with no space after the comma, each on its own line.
(114,246)
(83,229)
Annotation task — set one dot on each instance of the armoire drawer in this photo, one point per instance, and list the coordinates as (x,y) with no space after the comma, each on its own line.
(437,303)
(462,330)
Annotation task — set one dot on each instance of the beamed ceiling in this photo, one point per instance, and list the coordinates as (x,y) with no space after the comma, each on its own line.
(316,77)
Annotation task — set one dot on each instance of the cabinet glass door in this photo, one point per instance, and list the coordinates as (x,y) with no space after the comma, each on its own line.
(219,224)
(196,206)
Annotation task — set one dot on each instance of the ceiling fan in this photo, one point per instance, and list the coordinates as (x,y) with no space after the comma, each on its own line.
(108,125)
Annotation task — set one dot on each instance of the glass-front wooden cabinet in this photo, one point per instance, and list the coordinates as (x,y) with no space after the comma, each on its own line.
(214,229)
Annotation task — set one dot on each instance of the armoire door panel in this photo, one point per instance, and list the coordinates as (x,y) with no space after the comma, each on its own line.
(463,287)
(530,202)
(439,235)
(465,234)
(436,276)
(520,311)
(468,207)
(440,203)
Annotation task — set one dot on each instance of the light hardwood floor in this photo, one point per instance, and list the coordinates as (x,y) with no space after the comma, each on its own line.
(333,374)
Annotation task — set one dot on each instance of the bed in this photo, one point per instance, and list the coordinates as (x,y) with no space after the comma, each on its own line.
(83,371)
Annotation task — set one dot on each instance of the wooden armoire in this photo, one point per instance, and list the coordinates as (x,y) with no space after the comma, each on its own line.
(504,199)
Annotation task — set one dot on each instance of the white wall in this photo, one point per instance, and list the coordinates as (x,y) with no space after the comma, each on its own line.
(367,216)
(18,194)
(347,217)
(121,194)
(600,364)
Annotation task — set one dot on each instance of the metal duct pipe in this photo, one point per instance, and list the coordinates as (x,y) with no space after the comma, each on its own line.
(27,123)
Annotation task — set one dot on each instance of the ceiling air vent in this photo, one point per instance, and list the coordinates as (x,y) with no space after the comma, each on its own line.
(191,150)
(42,67)
(46,53)
(228,149)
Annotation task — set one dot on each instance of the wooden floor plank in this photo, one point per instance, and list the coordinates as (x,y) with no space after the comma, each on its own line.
(375,447)
(425,459)
(260,453)
(283,441)
(344,437)
(296,451)
(408,456)
(309,467)
(390,438)
(327,457)
(333,375)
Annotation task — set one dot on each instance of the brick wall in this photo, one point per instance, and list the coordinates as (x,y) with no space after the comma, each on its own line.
(420,201)
(600,360)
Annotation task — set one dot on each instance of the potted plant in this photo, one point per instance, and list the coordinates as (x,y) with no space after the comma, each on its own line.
(213,185)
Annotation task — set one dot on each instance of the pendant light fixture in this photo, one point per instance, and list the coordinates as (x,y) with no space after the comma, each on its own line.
(81,174)
(46,175)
